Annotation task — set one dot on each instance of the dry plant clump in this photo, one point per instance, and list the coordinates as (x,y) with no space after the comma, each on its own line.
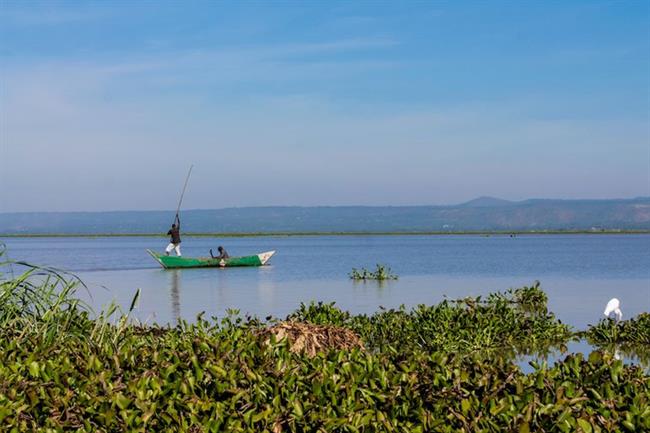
(310,339)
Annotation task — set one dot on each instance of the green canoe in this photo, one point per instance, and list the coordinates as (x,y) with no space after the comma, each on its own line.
(171,262)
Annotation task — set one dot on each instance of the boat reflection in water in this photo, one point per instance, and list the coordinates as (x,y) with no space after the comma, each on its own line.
(174,285)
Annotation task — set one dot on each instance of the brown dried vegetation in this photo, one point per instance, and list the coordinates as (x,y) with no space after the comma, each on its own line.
(310,339)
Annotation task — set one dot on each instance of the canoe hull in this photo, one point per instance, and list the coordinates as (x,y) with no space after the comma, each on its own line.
(175,262)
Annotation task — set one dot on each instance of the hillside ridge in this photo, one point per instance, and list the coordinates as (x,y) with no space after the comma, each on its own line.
(481,214)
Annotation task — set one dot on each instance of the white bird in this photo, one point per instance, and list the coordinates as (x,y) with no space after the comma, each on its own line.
(614,306)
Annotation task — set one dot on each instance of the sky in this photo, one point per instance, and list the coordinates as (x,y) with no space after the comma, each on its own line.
(105,105)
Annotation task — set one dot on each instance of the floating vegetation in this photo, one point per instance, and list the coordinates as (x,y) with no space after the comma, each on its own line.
(421,370)
(629,338)
(381,273)
(531,298)
(632,331)
(516,320)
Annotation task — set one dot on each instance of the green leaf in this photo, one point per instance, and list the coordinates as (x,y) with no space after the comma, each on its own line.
(464,406)
(135,300)
(122,401)
(584,425)
(628,425)
(33,369)
(297,408)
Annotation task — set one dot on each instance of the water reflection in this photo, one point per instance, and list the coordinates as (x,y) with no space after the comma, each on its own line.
(617,353)
(266,292)
(380,284)
(175,276)
(630,354)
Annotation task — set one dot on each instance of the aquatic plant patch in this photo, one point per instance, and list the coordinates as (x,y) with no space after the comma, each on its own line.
(500,322)
(380,273)
(633,331)
(629,338)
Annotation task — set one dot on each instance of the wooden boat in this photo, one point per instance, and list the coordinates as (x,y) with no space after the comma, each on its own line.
(173,262)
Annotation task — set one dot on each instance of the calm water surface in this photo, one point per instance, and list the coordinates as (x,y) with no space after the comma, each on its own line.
(580,273)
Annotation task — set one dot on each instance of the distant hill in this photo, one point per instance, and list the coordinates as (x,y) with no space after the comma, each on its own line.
(488,202)
(482,214)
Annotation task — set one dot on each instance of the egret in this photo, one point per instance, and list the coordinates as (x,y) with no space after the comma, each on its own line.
(614,306)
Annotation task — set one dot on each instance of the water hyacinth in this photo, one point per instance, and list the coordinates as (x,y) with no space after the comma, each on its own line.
(633,331)
(630,338)
(503,321)
(381,273)
(418,371)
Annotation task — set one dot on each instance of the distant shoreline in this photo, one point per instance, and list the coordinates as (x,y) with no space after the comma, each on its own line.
(484,216)
(297,234)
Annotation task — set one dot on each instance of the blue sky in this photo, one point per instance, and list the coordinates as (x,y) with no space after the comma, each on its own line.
(104,105)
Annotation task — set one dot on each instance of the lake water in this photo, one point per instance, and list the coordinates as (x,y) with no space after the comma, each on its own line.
(580,273)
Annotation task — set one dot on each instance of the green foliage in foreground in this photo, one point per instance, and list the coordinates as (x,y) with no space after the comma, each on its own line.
(62,371)
(380,273)
(201,379)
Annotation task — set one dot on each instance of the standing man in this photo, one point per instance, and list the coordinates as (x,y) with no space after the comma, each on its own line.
(175,240)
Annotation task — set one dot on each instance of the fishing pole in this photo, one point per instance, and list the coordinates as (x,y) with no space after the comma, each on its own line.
(178,209)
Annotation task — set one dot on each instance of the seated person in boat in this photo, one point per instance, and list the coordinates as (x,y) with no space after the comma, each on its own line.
(222,253)
(175,241)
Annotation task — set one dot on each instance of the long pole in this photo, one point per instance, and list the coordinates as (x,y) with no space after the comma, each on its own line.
(178,209)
